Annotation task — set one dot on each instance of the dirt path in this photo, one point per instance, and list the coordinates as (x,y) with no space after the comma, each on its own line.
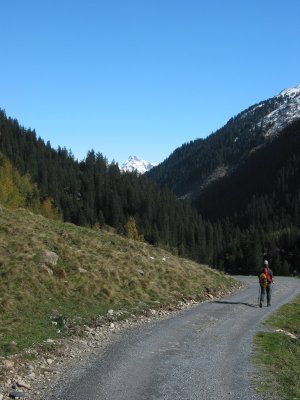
(200,353)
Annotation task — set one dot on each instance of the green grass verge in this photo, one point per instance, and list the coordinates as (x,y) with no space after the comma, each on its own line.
(278,355)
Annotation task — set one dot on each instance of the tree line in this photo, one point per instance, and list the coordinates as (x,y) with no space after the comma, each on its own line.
(95,193)
(229,228)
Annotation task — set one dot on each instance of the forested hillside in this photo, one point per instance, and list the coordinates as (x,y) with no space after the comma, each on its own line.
(252,211)
(265,187)
(95,193)
(189,168)
(245,180)
(260,203)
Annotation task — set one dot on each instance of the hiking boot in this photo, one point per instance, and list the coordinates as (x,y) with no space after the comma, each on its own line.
(269,305)
(260,305)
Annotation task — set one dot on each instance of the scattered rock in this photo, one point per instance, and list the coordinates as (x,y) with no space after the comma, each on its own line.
(120,313)
(1,395)
(89,330)
(99,321)
(16,395)
(291,335)
(49,258)
(45,370)
(56,317)
(49,361)
(82,270)
(23,384)
(110,315)
(8,364)
(140,271)
(210,296)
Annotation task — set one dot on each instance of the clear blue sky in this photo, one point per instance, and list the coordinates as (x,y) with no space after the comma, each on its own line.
(142,77)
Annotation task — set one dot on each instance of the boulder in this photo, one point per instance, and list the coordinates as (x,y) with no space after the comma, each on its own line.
(49,258)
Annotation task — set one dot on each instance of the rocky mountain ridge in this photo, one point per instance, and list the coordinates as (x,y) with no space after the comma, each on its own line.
(195,165)
(286,111)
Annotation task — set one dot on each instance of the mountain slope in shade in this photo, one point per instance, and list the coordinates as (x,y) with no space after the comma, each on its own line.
(270,175)
(136,164)
(195,165)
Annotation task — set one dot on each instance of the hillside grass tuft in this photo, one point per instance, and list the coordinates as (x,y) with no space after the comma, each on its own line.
(96,270)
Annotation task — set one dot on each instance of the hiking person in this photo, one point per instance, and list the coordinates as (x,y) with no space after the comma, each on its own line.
(265,276)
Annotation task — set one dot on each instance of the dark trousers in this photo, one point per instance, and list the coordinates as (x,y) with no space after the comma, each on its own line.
(266,290)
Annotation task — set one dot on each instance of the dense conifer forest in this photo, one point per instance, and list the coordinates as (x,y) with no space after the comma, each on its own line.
(237,223)
(94,193)
(254,210)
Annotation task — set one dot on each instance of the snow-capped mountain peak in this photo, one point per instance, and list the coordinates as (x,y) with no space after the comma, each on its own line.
(290,92)
(287,110)
(136,164)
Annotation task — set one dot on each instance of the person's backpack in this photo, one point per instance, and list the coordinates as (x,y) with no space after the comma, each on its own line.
(263,280)
(269,279)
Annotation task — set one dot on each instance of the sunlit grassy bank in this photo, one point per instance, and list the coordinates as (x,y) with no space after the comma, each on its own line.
(96,270)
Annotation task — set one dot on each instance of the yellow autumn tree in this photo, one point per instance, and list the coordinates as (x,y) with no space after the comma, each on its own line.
(132,231)
(9,194)
(48,210)
(19,191)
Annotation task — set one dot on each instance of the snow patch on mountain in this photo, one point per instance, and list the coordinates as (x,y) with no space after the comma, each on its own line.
(288,110)
(136,164)
(290,92)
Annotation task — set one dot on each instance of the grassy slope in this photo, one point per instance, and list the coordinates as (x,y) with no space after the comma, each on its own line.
(278,355)
(119,273)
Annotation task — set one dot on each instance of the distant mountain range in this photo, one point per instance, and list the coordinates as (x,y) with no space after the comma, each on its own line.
(136,164)
(190,169)
(242,184)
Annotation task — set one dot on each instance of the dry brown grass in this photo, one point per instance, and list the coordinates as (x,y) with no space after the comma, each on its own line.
(96,270)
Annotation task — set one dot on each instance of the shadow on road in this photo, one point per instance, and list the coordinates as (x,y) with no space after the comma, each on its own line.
(236,302)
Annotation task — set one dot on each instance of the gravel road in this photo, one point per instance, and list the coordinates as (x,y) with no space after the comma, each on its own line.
(200,353)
